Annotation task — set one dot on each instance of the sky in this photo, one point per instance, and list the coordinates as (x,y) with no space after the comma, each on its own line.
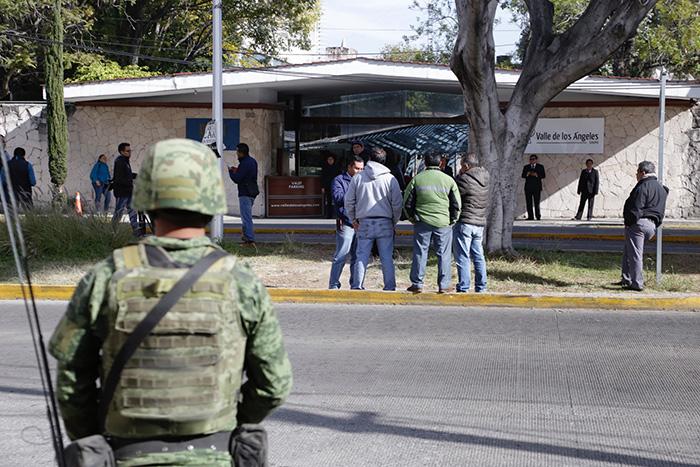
(368,25)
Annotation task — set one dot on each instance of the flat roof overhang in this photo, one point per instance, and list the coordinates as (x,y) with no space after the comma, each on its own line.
(356,76)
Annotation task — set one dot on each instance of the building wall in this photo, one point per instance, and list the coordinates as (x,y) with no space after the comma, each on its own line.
(96,130)
(631,136)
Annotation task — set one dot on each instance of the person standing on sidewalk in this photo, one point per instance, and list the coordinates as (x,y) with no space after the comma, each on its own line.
(533,173)
(373,204)
(99,176)
(643,212)
(22,178)
(345,242)
(432,204)
(588,184)
(329,170)
(123,183)
(246,177)
(473,184)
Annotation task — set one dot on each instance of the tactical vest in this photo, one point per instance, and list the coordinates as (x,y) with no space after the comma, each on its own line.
(185,376)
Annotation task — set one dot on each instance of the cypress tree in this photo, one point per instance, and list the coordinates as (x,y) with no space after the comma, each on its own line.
(57,122)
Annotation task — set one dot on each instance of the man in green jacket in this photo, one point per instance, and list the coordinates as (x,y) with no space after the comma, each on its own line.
(432,203)
(181,394)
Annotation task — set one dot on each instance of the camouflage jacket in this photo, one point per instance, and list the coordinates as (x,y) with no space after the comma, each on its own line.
(77,340)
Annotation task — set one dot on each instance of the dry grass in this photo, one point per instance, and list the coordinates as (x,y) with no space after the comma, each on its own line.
(307,266)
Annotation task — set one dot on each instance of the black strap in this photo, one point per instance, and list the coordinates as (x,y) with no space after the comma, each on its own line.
(145,327)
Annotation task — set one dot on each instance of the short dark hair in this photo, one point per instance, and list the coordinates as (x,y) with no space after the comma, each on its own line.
(646,167)
(470,159)
(432,159)
(589,160)
(181,218)
(242,147)
(355,158)
(122,146)
(19,152)
(533,156)
(378,154)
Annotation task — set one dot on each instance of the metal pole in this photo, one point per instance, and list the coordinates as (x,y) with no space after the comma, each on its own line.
(217,224)
(660,170)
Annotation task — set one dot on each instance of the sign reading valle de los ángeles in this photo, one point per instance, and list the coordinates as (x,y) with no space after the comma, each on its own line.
(567,136)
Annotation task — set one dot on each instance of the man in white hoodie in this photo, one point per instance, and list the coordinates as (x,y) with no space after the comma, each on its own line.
(373,203)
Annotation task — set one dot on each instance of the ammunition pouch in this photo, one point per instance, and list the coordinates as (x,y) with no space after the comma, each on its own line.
(91,451)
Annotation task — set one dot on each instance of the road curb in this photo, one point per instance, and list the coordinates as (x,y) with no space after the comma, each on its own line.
(369,297)
(694,239)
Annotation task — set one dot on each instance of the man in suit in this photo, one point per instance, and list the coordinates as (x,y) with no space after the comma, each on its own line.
(533,173)
(587,187)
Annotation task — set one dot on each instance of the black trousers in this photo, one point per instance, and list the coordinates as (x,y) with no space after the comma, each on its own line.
(585,197)
(533,198)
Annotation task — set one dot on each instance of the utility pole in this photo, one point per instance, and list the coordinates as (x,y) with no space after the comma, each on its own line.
(660,170)
(217,224)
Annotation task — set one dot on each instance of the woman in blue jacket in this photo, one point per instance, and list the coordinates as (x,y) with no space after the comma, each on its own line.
(99,176)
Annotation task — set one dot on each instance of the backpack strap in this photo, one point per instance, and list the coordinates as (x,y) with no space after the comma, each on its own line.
(144,328)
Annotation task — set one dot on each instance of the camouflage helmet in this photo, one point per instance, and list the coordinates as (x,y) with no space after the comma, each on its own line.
(180,174)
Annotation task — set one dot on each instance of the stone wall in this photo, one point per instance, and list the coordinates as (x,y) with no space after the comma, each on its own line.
(631,136)
(96,130)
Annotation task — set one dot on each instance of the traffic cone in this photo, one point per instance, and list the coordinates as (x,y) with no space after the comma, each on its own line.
(78,204)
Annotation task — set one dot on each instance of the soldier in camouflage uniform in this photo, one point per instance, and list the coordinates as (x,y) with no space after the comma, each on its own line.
(184,379)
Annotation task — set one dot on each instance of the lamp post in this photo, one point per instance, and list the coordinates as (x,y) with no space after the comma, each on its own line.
(217,224)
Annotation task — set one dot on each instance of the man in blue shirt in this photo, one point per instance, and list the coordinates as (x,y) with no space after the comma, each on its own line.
(22,178)
(345,233)
(246,177)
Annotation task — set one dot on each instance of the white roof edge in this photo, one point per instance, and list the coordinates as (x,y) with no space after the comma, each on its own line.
(185,83)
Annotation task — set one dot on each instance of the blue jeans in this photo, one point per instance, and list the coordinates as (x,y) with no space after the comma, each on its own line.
(345,243)
(380,230)
(468,246)
(99,192)
(246,205)
(125,204)
(441,237)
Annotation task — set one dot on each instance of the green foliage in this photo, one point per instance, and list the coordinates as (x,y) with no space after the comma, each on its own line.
(254,32)
(56,119)
(407,52)
(50,235)
(669,36)
(99,69)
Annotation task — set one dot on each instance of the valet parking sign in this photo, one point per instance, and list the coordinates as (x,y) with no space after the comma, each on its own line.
(567,136)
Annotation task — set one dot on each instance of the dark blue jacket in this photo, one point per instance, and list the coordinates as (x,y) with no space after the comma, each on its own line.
(99,173)
(339,187)
(246,177)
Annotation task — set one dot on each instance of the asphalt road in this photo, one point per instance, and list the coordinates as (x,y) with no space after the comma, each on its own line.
(416,386)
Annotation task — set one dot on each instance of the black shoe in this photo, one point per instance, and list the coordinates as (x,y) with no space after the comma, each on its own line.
(449,290)
(530,219)
(414,289)
(621,283)
(633,288)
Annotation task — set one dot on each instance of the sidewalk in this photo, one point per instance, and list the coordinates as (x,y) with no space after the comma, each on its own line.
(675,230)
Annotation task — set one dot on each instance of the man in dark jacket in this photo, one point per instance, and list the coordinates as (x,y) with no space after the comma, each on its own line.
(643,213)
(533,173)
(345,241)
(588,184)
(123,186)
(22,178)
(329,170)
(246,177)
(473,185)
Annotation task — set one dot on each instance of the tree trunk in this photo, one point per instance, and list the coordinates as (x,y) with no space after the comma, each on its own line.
(552,62)
(57,122)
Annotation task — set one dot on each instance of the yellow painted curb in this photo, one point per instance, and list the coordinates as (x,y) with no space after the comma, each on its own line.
(522,235)
(370,297)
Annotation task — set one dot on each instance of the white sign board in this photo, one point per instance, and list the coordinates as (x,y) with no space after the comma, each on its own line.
(209,137)
(567,136)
